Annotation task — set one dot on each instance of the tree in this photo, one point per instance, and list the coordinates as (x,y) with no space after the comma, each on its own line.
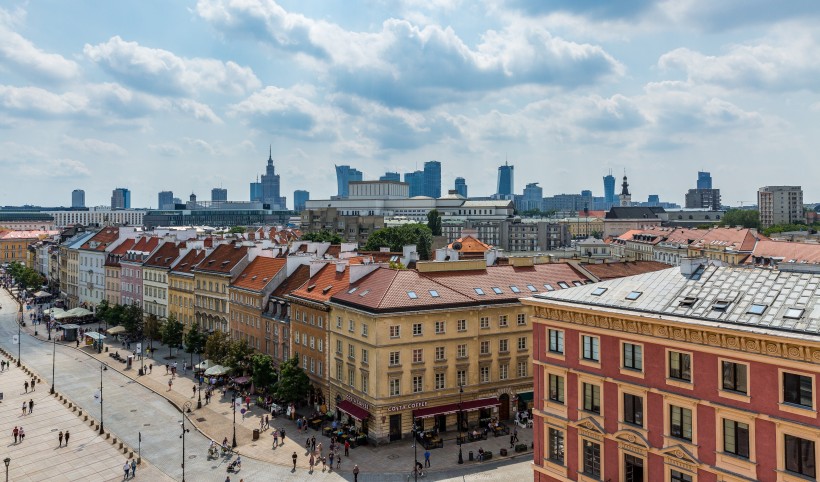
(216,347)
(194,341)
(323,236)
(396,237)
(262,370)
(434,222)
(238,355)
(172,333)
(748,218)
(133,322)
(293,384)
(237,230)
(152,328)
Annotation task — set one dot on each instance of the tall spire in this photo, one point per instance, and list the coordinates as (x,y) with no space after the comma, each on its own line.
(270,154)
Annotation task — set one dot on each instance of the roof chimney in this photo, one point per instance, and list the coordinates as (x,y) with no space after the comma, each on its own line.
(340,267)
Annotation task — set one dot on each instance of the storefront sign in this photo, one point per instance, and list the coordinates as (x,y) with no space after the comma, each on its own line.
(399,408)
(358,402)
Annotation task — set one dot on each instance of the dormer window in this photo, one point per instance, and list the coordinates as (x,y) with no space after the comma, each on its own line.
(688,302)
(563,284)
(794,313)
(721,305)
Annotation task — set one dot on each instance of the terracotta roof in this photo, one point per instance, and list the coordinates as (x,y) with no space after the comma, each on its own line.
(113,258)
(470,244)
(741,239)
(259,273)
(785,251)
(382,256)
(223,259)
(102,239)
(165,256)
(324,284)
(26,234)
(607,271)
(146,244)
(189,261)
(293,282)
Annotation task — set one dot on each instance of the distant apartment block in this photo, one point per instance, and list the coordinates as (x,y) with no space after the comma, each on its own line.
(780,205)
(703,198)
(219,194)
(165,200)
(345,174)
(78,198)
(121,198)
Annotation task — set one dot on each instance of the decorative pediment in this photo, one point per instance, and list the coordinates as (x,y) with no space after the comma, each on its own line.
(632,437)
(680,456)
(590,427)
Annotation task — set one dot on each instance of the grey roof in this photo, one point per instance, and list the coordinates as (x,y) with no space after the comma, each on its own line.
(634,212)
(663,293)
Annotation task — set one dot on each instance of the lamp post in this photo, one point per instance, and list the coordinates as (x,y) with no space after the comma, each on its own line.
(20,332)
(53,362)
(7,461)
(233,404)
(199,395)
(186,407)
(460,416)
(102,367)
(415,449)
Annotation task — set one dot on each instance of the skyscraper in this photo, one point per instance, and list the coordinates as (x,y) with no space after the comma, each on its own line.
(533,197)
(78,198)
(609,190)
(121,198)
(220,194)
(461,186)
(391,176)
(506,174)
(299,199)
(164,199)
(270,186)
(432,179)
(415,180)
(345,174)
(704,180)
(256,190)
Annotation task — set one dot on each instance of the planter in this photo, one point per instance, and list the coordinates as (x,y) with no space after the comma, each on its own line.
(521,447)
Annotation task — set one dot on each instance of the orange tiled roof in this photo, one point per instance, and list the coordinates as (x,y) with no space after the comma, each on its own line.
(607,271)
(102,239)
(113,258)
(785,251)
(223,259)
(389,289)
(165,256)
(296,279)
(259,273)
(189,261)
(470,244)
(741,239)
(324,284)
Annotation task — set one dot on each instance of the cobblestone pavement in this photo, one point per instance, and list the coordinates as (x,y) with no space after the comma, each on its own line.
(140,404)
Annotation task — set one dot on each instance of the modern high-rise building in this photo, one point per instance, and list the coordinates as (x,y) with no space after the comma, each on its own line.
(415,180)
(609,190)
(121,198)
(432,179)
(533,198)
(271,186)
(165,200)
(220,194)
(703,199)
(704,180)
(78,198)
(506,175)
(300,197)
(345,174)
(391,176)
(256,190)
(780,205)
(461,186)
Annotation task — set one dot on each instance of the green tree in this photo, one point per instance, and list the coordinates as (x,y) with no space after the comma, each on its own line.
(237,230)
(323,236)
(293,384)
(396,237)
(434,222)
(194,341)
(133,321)
(238,355)
(216,347)
(262,370)
(748,218)
(152,328)
(171,332)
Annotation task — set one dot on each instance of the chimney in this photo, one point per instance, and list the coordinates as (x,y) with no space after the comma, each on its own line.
(688,265)
(340,267)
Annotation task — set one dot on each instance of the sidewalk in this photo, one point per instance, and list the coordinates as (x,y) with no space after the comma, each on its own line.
(215,420)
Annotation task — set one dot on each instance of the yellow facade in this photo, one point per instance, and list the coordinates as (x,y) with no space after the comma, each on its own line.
(15,249)
(583,227)
(181,298)
(211,300)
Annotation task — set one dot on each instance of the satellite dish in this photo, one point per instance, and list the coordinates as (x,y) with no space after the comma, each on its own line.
(457,246)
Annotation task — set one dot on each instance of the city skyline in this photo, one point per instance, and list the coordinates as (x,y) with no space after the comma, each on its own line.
(93,97)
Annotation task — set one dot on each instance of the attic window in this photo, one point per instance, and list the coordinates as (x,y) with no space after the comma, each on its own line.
(253,277)
(326,289)
(794,313)
(434,293)
(721,305)
(364,292)
(634,295)
(310,288)
(412,295)
(689,301)
(532,288)
(598,291)
(757,309)
(352,290)
(563,284)
(479,291)
(549,287)
(577,283)
(497,290)
(515,289)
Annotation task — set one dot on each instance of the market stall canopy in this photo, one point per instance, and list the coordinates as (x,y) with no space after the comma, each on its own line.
(53,311)
(94,335)
(217,370)
(42,294)
(77,312)
(204,365)
(116,330)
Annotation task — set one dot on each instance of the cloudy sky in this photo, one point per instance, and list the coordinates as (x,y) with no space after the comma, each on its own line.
(187,95)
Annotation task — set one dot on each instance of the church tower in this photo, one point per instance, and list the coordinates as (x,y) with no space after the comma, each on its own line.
(625,198)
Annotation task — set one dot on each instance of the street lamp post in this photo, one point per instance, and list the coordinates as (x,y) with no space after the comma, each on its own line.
(199,396)
(102,367)
(233,404)
(186,407)
(460,417)
(415,449)
(20,332)
(7,461)
(53,362)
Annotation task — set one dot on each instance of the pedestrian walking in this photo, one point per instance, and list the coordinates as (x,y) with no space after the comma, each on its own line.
(60,437)
(22,434)
(307,445)
(282,432)
(194,395)
(30,405)
(150,367)
(66,437)
(512,440)
(170,382)
(347,448)
(313,443)
(207,397)
(167,368)
(267,421)
(24,408)
(126,468)
(338,461)
(25,385)
(515,434)
(311,462)
(355,473)
(427,457)
(33,383)
(275,438)
(16,433)
(330,456)
(294,456)
(133,468)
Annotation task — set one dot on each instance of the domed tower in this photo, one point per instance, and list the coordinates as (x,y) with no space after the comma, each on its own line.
(625,198)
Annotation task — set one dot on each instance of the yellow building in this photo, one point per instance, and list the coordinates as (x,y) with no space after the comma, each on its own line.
(584,227)
(181,287)
(14,245)
(403,343)
(212,277)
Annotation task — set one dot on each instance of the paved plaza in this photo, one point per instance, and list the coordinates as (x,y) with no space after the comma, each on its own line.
(137,406)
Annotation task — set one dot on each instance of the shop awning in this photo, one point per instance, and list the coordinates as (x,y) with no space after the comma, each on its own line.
(525,397)
(94,335)
(353,410)
(466,406)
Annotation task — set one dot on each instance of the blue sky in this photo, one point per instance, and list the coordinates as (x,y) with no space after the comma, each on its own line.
(187,95)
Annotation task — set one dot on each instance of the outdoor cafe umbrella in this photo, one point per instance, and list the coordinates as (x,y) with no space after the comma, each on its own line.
(204,365)
(217,370)
(116,330)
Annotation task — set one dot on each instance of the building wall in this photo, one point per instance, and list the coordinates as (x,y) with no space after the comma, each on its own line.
(104,217)
(131,283)
(246,317)
(113,289)
(211,307)
(309,342)
(181,298)
(155,291)
(762,408)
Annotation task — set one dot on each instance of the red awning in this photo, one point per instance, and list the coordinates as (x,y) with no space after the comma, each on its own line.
(353,410)
(466,406)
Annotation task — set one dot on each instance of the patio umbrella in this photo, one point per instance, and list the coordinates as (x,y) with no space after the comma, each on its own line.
(241,380)
(217,370)
(204,365)
(116,330)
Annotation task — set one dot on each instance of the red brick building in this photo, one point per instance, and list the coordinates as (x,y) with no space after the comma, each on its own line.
(698,374)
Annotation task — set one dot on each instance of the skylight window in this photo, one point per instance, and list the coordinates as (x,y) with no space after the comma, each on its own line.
(563,284)
(326,289)
(310,288)
(352,290)
(549,287)
(794,313)
(412,295)
(577,283)
(598,291)
(688,301)
(479,291)
(532,288)
(757,309)
(434,293)
(364,292)
(497,290)
(721,305)
(634,295)
(515,289)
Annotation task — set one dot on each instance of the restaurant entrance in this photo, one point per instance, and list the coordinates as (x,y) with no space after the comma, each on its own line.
(441,423)
(395,427)
(504,409)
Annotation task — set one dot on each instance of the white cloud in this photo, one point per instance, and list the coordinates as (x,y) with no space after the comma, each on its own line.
(55,168)
(20,55)
(284,112)
(39,103)
(162,72)
(166,149)
(93,146)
